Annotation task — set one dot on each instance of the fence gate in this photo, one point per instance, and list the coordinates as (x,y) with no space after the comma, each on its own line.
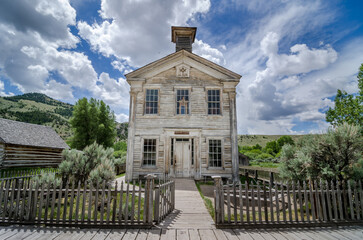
(291,203)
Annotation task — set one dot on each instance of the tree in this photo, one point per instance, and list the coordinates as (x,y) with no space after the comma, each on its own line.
(92,121)
(334,155)
(348,108)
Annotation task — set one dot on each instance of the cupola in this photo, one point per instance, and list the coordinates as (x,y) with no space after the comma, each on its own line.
(183,37)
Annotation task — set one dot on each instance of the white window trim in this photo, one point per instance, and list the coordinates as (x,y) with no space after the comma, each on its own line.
(142,152)
(222,146)
(190,100)
(144,99)
(220,100)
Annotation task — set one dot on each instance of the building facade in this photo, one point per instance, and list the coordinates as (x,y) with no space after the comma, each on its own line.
(182,119)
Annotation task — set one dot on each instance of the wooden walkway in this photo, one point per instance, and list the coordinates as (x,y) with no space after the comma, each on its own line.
(17,233)
(190,211)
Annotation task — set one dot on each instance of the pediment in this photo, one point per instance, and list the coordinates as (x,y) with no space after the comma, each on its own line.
(182,62)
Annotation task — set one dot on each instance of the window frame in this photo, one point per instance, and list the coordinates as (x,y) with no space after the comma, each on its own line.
(142,151)
(158,102)
(176,101)
(222,152)
(175,98)
(220,100)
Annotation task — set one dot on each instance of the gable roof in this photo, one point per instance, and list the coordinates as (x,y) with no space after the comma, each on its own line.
(178,58)
(20,133)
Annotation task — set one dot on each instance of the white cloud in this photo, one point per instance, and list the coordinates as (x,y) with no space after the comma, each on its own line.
(121,118)
(206,51)
(129,30)
(2,90)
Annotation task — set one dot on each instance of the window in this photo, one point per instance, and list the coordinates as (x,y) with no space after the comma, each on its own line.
(149,152)
(151,101)
(214,105)
(182,101)
(215,153)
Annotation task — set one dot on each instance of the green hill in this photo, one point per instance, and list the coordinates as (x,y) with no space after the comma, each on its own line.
(251,140)
(40,109)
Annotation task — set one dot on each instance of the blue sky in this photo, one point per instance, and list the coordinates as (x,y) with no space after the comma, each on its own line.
(293,55)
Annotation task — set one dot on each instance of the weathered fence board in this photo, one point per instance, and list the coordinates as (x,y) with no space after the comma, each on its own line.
(78,204)
(302,203)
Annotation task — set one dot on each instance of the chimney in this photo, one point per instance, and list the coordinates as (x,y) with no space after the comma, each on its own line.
(183,37)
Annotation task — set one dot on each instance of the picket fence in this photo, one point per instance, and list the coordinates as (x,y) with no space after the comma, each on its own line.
(286,204)
(76,204)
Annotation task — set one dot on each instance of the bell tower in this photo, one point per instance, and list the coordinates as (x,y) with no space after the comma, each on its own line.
(183,37)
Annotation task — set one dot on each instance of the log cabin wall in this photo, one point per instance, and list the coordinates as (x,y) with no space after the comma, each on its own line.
(28,156)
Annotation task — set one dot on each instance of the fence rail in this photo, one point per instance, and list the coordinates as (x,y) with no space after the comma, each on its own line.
(6,173)
(289,203)
(260,173)
(23,201)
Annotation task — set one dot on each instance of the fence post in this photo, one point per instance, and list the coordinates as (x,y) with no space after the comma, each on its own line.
(272,178)
(157,204)
(149,192)
(217,199)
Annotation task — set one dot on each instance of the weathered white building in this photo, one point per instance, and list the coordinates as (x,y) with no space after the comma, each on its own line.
(182,115)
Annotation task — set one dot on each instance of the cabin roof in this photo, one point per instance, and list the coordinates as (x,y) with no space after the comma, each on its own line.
(20,133)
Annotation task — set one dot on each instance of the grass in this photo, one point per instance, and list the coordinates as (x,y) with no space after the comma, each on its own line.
(264,164)
(207,202)
(120,175)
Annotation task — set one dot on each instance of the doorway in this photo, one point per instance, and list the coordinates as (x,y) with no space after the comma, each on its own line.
(182,157)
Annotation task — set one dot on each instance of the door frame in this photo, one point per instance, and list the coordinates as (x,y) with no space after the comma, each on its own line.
(170,134)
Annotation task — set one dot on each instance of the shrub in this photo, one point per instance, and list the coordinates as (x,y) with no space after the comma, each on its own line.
(105,171)
(78,165)
(47,178)
(119,154)
(336,154)
(264,156)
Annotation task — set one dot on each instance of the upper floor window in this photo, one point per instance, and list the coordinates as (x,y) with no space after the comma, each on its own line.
(214,105)
(149,152)
(215,153)
(151,101)
(182,101)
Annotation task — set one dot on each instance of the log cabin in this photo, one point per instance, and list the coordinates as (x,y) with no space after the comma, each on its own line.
(29,145)
(182,119)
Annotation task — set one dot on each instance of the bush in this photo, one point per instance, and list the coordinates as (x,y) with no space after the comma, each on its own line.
(336,154)
(105,171)
(78,165)
(47,178)
(120,146)
(119,154)
(264,156)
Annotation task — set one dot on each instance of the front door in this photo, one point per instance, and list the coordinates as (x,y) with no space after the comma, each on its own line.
(182,158)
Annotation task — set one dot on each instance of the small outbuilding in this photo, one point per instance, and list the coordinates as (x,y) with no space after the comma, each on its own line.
(29,145)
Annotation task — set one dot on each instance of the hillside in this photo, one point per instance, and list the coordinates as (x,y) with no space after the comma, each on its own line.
(251,140)
(40,109)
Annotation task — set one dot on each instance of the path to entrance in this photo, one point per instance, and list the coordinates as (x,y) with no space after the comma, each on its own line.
(190,211)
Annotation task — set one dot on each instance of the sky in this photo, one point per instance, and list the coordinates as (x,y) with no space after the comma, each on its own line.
(292,55)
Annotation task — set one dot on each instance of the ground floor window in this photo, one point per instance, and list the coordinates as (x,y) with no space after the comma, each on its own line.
(215,153)
(149,152)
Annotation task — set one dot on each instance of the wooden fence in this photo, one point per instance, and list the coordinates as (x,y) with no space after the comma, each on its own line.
(8,173)
(260,173)
(74,204)
(291,203)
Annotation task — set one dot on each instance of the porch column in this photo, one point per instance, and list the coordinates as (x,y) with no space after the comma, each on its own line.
(234,136)
(131,136)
